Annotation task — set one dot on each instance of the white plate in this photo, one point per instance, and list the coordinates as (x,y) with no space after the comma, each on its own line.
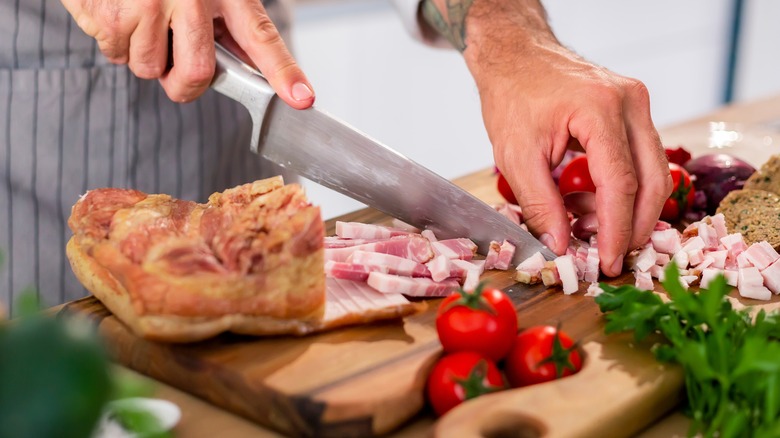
(167,413)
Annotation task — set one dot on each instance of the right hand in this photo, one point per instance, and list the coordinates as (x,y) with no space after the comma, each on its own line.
(135,32)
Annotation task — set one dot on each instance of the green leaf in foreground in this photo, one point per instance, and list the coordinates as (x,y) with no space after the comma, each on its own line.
(731,360)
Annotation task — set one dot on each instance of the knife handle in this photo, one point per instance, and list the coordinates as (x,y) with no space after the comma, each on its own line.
(242,83)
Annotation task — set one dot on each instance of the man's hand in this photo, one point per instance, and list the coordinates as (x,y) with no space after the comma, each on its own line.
(135,32)
(538,98)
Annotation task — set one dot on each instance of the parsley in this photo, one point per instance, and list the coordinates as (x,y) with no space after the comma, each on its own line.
(731,359)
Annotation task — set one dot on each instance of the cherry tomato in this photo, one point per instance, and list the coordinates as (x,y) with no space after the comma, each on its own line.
(575,177)
(503,187)
(682,196)
(678,155)
(541,354)
(483,321)
(461,376)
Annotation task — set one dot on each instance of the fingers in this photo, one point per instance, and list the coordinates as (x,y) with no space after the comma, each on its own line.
(149,45)
(110,22)
(652,169)
(256,34)
(193,52)
(610,162)
(540,200)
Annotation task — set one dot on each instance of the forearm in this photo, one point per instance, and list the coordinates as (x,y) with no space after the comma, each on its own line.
(489,31)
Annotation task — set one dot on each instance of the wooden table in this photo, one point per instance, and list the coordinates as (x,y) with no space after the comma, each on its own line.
(758,136)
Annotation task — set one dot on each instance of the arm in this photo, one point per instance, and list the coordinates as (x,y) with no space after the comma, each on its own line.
(136,33)
(538,98)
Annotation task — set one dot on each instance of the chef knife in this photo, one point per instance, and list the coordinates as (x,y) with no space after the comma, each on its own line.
(320,147)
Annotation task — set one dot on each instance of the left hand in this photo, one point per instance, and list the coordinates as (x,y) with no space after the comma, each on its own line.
(538,98)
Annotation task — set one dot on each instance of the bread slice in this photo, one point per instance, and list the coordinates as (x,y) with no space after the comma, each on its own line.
(754,213)
(249,261)
(767,177)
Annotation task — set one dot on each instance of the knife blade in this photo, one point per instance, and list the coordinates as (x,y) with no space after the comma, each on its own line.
(330,152)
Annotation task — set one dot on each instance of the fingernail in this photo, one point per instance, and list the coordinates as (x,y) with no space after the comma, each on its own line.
(548,240)
(301,91)
(617,266)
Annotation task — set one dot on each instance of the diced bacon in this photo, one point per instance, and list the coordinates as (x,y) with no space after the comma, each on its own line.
(690,231)
(761,255)
(695,257)
(743,261)
(428,234)
(643,280)
(439,267)
(662,258)
(751,284)
(689,280)
(338,242)
(661,226)
(719,258)
(463,249)
(718,222)
(549,274)
(693,244)
(533,263)
(492,255)
(646,258)
(734,243)
(416,248)
(706,262)
(505,255)
(581,262)
(771,277)
(529,270)
(732,277)
(357,230)
(471,271)
(682,259)
(708,235)
(592,265)
(657,271)
(415,287)
(393,264)
(594,290)
(666,241)
(708,275)
(568,273)
(510,213)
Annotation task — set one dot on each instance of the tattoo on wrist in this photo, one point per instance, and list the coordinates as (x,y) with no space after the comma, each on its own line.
(450,23)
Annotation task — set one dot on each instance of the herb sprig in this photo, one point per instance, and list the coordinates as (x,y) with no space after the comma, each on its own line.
(730,358)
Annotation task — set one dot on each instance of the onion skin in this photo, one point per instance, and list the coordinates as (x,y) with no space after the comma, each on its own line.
(718,174)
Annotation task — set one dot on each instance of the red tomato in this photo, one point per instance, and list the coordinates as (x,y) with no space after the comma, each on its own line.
(503,187)
(461,376)
(541,354)
(483,321)
(678,155)
(575,177)
(681,198)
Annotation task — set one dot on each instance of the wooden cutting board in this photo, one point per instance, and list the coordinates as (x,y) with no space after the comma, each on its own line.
(368,380)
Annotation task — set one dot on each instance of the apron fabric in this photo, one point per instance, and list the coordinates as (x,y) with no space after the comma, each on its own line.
(70,121)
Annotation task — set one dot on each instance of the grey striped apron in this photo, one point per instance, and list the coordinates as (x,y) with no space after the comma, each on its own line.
(70,121)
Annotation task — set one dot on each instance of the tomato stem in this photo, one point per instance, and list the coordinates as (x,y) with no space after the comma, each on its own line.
(473,300)
(560,356)
(475,384)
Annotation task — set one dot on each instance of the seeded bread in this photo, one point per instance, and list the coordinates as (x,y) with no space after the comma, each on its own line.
(754,213)
(767,178)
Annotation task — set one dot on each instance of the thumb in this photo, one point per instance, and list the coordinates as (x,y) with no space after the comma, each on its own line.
(541,202)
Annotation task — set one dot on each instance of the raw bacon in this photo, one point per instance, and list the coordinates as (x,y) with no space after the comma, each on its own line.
(413,287)
(416,248)
(393,264)
(463,249)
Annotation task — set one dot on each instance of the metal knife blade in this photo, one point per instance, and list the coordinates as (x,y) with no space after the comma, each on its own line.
(328,151)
